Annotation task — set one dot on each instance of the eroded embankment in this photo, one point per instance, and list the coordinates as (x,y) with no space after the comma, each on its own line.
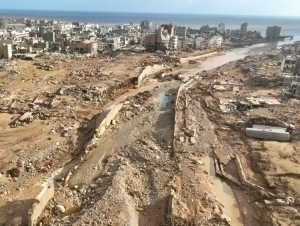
(192,127)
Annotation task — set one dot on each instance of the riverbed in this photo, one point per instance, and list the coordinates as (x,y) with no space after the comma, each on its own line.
(132,130)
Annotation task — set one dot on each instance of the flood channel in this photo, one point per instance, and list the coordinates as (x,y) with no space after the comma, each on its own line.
(223,191)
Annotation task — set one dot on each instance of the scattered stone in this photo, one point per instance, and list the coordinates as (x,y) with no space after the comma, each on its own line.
(20,163)
(189,132)
(61,208)
(10,212)
(224,218)
(193,140)
(17,221)
(282,202)
(14,172)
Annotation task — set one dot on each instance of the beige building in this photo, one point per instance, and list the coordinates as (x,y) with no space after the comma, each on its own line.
(84,46)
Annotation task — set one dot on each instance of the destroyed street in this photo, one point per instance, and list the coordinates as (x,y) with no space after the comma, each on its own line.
(150,139)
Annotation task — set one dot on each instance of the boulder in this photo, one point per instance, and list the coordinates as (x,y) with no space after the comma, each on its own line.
(61,208)
(224,218)
(17,221)
(193,140)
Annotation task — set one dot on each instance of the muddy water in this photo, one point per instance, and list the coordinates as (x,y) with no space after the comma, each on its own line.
(128,133)
(163,100)
(223,193)
(234,55)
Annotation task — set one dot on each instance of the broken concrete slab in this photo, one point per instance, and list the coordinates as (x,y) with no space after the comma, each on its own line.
(268,133)
(263,101)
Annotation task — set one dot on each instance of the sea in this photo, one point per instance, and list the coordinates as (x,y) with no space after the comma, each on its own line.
(289,25)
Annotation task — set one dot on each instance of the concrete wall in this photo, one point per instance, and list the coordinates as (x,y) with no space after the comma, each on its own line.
(170,203)
(39,205)
(176,128)
(149,70)
(182,87)
(102,122)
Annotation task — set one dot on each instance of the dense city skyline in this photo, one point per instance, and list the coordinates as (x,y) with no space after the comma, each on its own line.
(237,7)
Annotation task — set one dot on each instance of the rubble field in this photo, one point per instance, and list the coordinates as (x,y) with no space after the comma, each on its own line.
(125,149)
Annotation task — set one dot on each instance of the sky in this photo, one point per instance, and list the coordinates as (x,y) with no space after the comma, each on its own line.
(223,7)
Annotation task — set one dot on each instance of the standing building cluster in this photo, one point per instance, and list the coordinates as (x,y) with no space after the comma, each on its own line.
(22,36)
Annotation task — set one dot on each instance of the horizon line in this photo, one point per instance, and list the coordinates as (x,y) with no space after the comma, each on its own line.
(176,13)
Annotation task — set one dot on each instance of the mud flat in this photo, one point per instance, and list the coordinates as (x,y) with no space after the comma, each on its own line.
(135,165)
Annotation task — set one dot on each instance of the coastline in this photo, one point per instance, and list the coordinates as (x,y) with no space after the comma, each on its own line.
(113,18)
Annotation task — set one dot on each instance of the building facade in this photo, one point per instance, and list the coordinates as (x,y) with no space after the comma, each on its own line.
(173,43)
(169,28)
(49,36)
(105,30)
(215,42)
(288,65)
(150,41)
(110,44)
(297,67)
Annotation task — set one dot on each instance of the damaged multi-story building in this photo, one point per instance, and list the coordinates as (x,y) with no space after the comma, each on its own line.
(244,27)
(150,41)
(273,32)
(288,65)
(146,24)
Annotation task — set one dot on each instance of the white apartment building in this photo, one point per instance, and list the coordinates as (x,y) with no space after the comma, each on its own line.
(110,44)
(215,42)
(173,43)
(105,30)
